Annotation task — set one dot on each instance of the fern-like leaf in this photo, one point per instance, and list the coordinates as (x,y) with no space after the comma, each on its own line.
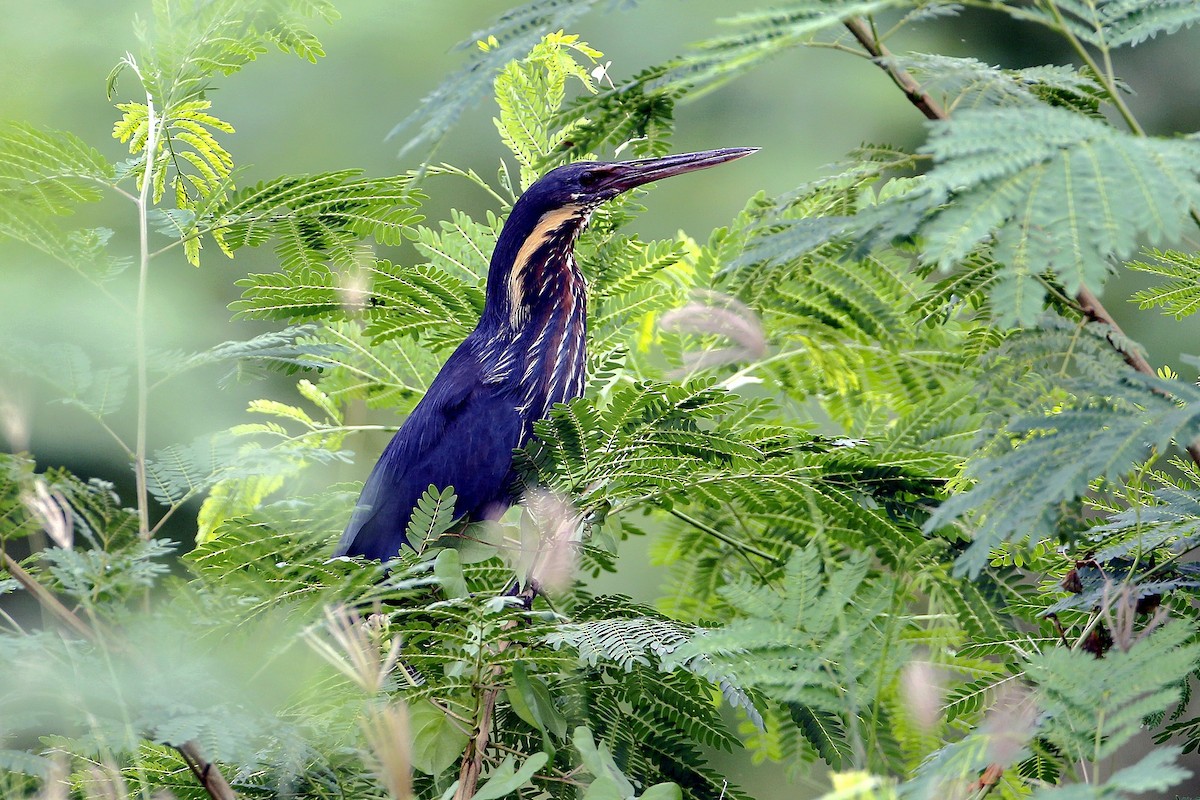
(1060,454)
(760,35)
(509,37)
(1180,295)
(1060,192)
(432,516)
(1094,706)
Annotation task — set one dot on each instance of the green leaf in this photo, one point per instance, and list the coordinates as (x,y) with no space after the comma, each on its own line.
(967,83)
(433,516)
(318,222)
(662,791)
(515,31)
(599,762)
(191,43)
(25,763)
(178,472)
(530,90)
(540,710)
(1118,23)
(437,742)
(811,638)
(1059,454)
(824,731)
(1179,296)
(233,498)
(449,573)
(506,779)
(50,170)
(759,35)
(1095,706)
(1156,772)
(287,349)
(422,301)
(68,369)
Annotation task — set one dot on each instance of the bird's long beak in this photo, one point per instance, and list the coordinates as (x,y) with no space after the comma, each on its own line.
(625,175)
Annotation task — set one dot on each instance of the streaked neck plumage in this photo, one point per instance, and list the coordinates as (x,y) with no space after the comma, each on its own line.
(535,314)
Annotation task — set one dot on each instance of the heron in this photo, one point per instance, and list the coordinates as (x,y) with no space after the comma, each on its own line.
(528,352)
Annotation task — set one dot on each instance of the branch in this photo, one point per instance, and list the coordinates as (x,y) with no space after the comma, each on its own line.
(1089,305)
(472,760)
(143,201)
(46,599)
(883,59)
(740,546)
(206,772)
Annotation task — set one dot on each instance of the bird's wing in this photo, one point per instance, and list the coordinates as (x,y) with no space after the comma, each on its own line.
(461,434)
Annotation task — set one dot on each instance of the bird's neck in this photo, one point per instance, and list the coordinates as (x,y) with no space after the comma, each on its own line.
(535,315)
(533,266)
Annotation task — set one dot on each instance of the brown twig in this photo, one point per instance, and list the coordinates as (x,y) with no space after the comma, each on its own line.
(900,76)
(205,771)
(472,760)
(46,599)
(1089,305)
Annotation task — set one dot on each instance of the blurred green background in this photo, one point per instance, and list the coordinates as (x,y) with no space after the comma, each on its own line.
(806,109)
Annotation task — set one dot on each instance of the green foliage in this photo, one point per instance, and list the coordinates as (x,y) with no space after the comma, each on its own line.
(814,642)
(193,41)
(1117,23)
(1057,456)
(69,371)
(1059,192)
(44,175)
(966,83)
(1095,706)
(315,219)
(760,34)
(524,88)
(433,515)
(1178,296)
(507,38)
(855,468)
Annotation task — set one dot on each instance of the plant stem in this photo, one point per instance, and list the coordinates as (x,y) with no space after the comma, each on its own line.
(46,599)
(1102,75)
(901,77)
(1089,304)
(724,537)
(472,760)
(206,772)
(143,391)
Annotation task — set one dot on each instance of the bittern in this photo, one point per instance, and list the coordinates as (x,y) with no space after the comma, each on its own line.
(527,353)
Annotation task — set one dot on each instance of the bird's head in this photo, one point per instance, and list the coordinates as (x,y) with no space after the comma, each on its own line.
(535,245)
(590,183)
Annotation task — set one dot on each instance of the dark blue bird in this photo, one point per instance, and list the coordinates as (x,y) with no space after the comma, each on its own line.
(527,353)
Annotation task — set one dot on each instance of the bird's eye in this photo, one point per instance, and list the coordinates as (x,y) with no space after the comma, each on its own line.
(589,180)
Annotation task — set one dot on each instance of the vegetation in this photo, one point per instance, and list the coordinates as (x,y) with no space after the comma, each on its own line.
(927,510)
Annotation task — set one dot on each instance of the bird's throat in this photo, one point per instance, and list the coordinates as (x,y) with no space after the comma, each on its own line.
(547,250)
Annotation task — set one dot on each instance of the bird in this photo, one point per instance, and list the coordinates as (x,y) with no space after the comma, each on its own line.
(527,353)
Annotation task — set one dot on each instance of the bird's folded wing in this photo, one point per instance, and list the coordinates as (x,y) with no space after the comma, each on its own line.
(464,440)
